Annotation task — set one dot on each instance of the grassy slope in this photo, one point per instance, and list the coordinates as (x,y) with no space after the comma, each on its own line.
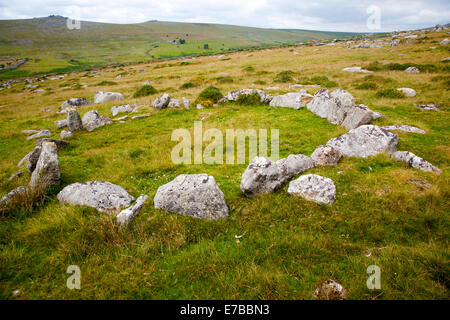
(383,215)
(53,46)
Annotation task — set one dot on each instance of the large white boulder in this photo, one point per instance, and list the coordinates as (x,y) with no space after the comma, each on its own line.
(101,96)
(365,141)
(195,195)
(100,195)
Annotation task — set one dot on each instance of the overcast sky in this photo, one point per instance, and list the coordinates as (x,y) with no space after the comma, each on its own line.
(333,15)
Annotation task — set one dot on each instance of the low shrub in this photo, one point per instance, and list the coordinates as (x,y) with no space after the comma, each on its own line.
(188,85)
(144,91)
(211,93)
(284,76)
(248,99)
(390,93)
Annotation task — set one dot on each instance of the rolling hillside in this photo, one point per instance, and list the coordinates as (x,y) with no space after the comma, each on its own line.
(52,47)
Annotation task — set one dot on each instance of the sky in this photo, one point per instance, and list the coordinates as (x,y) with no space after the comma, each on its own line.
(330,15)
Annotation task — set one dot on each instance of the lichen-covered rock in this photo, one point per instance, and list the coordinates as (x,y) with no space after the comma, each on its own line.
(294,100)
(75,103)
(127,215)
(40,134)
(11,196)
(332,106)
(61,123)
(100,195)
(234,94)
(264,176)
(408,92)
(326,156)
(404,128)
(261,176)
(101,96)
(330,290)
(186,102)
(414,161)
(195,195)
(314,188)
(356,69)
(412,70)
(92,120)
(162,101)
(357,116)
(74,122)
(174,103)
(365,141)
(115,110)
(46,173)
(66,134)
(294,164)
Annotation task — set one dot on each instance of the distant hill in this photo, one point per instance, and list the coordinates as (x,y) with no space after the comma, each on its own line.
(52,47)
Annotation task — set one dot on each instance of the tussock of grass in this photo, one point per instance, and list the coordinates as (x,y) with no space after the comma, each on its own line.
(106,83)
(144,91)
(248,99)
(284,76)
(390,93)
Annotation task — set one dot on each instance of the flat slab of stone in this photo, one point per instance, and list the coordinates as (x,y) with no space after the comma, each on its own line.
(365,141)
(75,103)
(100,195)
(314,188)
(404,128)
(414,161)
(121,109)
(40,134)
(194,195)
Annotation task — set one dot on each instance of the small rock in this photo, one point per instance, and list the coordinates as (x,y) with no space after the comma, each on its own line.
(330,290)
(40,134)
(74,122)
(61,123)
(294,100)
(18,174)
(92,120)
(356,69)
(141,116)
(430,106)
(314,188)
(412,70)
(66,134)
(404,128)
(12,195)
(186,102)
(444,42)
(326,156)
(162,101)
(120,109)
(408,92)
(126,216)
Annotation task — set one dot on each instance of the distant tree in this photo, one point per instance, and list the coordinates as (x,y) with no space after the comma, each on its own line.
(206,46)
(182,41)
